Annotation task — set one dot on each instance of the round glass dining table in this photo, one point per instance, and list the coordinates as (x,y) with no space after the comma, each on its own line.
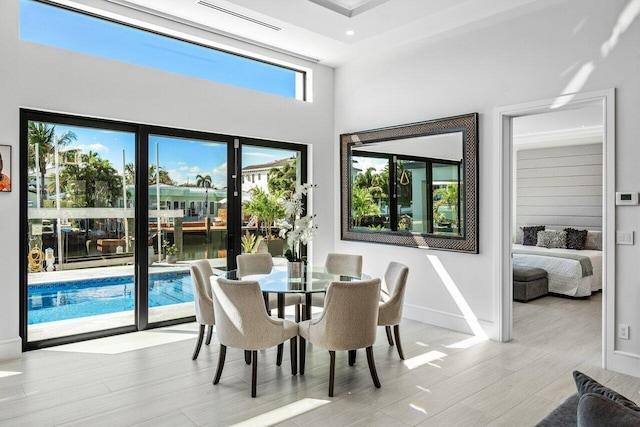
(280,281)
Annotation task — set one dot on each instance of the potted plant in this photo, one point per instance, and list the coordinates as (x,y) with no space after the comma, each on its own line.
(298,230)
(267,208)
(170,251)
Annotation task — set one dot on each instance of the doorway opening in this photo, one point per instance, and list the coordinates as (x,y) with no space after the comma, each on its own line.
(523,202)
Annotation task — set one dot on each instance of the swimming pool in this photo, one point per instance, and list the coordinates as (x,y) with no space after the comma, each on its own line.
(89,297)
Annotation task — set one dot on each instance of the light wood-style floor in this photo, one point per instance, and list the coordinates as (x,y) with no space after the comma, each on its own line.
(448,379)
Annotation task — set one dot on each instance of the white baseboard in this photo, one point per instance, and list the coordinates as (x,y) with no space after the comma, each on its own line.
(10,349)
(455,322)
(625,363)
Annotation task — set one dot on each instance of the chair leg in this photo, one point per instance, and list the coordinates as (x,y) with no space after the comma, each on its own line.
(279,355)
(247,357)
(372,367)
(293,346)
(221,357)
(396,332)
(389,338)
(198,344)
(209,335)
(332,369)
(297,309)
(303,354)
(280,316)
(352,357)
(254,372)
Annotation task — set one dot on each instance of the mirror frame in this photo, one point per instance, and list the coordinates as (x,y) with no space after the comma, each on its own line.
(468,242)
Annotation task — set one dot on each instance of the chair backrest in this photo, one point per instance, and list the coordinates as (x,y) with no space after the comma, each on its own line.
(344,264)
(202,295)
(350,316)
(395,281)
(248,264)
(241,317)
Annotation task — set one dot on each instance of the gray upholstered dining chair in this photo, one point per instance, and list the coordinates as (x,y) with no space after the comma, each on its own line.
(242,322)
(262,263)
(392,296)
(348,322)
(344,264)
(339,264)
(200,279)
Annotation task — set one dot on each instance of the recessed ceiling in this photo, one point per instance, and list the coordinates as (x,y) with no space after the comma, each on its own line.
(316,29)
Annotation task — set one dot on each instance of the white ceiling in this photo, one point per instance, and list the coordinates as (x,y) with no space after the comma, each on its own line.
(316,29)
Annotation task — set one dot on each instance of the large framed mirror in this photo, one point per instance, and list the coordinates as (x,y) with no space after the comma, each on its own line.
(412,185)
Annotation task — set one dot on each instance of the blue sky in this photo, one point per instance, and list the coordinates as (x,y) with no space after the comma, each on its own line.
(54,26)
(184,159)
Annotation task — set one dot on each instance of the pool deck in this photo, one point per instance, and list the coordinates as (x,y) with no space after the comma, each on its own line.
(218,266)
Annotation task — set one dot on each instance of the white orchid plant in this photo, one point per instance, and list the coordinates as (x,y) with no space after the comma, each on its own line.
(298,230)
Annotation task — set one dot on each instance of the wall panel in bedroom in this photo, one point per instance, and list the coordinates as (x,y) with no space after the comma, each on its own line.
(560,186)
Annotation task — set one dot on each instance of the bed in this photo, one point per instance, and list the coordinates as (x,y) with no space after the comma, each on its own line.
(568,269)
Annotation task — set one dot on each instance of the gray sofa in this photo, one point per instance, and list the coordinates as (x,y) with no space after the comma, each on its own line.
(593,405)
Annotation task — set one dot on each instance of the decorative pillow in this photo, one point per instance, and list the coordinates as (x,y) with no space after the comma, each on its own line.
(594,240)
(519,236)
(576,239)
(530,235)
(552,239)
(597,410)
(586,384)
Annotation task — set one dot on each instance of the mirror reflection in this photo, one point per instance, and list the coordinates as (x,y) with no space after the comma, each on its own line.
(412,185)
(396,188)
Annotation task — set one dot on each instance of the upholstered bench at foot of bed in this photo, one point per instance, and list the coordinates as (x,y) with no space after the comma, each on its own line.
(529,283)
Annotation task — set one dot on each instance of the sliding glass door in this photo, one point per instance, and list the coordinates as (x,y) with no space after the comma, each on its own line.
(80,218)
(269,174)
(114,213)
(187,200)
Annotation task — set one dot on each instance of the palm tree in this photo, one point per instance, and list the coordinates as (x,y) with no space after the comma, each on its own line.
(43,136)
(448,196)
(92,183)
(162,174)
(376,183)
(130,173)
(267,207)
(283,180)
(362,204)
(203,181)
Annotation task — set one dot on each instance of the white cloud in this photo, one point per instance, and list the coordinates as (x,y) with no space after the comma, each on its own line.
(97,147)
(221,170)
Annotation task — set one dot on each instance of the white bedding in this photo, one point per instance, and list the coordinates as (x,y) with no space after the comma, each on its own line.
(565,275)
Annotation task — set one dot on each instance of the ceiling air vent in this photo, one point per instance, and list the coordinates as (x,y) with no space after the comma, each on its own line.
(237,15)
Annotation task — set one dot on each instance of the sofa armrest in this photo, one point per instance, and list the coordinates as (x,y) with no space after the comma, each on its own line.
(563,415)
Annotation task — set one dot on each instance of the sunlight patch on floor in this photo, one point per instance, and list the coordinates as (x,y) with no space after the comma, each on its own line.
(130,342)
(418,408)
(5,374)
(283,413)
(469,342)
(425,359)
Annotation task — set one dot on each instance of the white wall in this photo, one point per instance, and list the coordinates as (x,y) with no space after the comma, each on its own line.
(537,56)
(46,78)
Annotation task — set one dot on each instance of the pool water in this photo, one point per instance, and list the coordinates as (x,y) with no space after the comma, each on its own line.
(82,298)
